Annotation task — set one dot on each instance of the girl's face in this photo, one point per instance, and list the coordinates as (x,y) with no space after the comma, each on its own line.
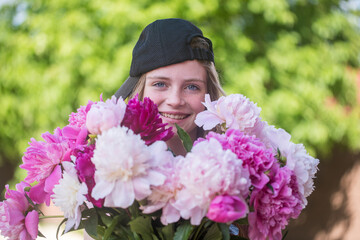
(178,91)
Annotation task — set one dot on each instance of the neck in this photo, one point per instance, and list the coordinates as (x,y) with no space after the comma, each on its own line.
(176,145)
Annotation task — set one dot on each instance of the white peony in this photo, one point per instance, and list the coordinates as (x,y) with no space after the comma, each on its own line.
(69,195)
(125,167)
(235,110)
(275,138)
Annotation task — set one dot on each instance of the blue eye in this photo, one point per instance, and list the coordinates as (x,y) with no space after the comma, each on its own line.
(159,84)
(193,87)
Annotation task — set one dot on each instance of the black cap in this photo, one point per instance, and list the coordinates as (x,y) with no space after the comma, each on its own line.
(162,43)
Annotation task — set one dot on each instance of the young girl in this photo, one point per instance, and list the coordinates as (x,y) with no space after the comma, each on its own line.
(173,65)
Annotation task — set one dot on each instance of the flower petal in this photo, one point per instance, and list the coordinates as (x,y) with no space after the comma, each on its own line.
(141,188)
(208,120)
(123,194)
(102,189)
(38,195)
(31,223)
(53,179)
(15,216)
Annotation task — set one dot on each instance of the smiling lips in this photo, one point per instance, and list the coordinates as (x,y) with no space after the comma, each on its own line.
(174,116)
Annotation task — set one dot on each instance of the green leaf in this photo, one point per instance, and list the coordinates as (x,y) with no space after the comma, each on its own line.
(242,221)
(185,138)
(136,237)
(125,231)
(168,231)
(270,187)
(233,237)
(91,222)
(142,226)
(100,230)
(112,237)
(284,236)
(58,228)
(111,228)
(134,209)
(213,233)
(224,228)
(183,231)
(105,217)
(41,235)
(154,237)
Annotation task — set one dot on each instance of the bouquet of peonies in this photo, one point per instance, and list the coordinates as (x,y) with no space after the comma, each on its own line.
(110,172)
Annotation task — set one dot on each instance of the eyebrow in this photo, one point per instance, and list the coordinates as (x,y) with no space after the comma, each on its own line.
(166,78)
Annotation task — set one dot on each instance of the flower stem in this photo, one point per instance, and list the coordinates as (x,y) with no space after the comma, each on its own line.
(56,216)
(116,210)
(199,229)
(128,212)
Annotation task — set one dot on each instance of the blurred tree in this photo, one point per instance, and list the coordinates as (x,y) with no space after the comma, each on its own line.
(296,58)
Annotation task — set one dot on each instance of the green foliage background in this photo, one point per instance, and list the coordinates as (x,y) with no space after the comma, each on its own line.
(297,59)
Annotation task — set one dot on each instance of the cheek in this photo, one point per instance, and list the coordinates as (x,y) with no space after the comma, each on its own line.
(154,96)
(196,104)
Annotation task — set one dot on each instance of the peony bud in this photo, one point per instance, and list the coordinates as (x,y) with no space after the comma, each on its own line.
(105,115)
(226,209)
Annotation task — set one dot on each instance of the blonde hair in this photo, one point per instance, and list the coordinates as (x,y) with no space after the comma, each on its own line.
(214,88)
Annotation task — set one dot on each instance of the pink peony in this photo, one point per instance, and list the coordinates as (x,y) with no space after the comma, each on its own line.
(256,158)
(78,119)
(235,111)
(76,137)
(207,171)
(42,161)
(41,192)
(143,118)
(295,155)
(105,115)
(274,207)
(226,209)
(304,167)
(17,219)
(86,170)
(126,168)
(163,196)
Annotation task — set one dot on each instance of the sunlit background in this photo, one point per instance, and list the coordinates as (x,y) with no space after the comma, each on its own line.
(299,60)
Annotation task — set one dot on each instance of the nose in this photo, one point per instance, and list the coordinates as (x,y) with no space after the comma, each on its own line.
(175,98)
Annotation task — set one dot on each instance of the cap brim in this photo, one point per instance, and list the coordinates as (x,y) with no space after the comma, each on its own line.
(127,87)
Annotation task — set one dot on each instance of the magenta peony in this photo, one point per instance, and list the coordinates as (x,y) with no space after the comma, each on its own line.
(143,118)
(78,119)
(256,158)
(86,170)
(274,206)
(227,209)
(17,219)
(105,115)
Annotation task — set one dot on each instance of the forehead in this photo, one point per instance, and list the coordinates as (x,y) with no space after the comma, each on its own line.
(187,70)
